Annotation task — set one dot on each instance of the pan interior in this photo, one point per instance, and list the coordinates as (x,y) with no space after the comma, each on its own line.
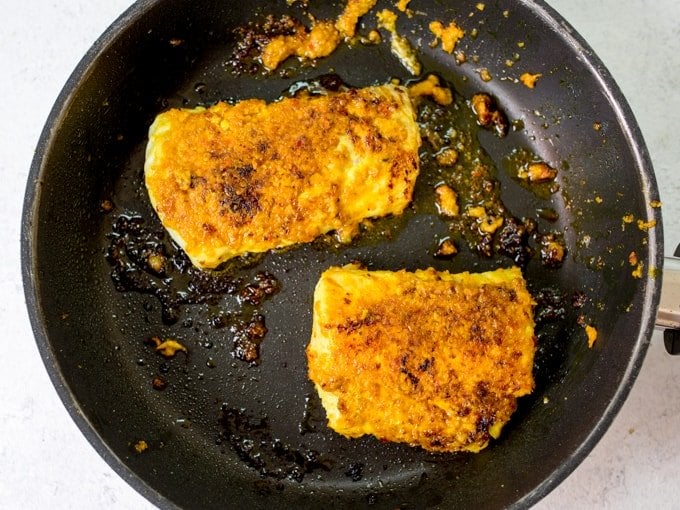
(224,430)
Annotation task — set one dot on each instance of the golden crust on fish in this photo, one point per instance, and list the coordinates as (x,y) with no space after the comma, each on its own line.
(250,177)
(428,358)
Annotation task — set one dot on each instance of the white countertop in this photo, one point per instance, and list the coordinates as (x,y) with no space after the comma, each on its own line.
(45,462)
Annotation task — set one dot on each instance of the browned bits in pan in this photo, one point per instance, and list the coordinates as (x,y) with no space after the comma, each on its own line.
(355,471)
(446,249)
(264,285)
(252,440)
(553,250)
(488,114)
(158,383)
(447,200)
(157,263)
(537,172)
(447,157)
(248,338)
(106,206)
(255,36)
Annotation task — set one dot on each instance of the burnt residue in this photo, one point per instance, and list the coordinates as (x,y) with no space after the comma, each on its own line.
(410,376)
(550,306)
(252,440)
(144,260)
(552,249)
(248,336)
(513,240)
(263,286)
(579,299)
(242,204)
(253,37)
(159,383)
(485,223)
(555,313)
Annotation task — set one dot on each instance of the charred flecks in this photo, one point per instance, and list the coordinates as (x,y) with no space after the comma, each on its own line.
(209,228)
(248,337)
(426,365)
(550,306)
(404,369)
(331,82)
(477,334)
(519,240)
(263,286)
(351,325)
(482,390)
(553,249)
(464,411)
(245,171)
(253,442)
(578,299)
(484,422)
(244,204)
(484,245)
(513,241)
(252,38)
(143,260)
(196,181)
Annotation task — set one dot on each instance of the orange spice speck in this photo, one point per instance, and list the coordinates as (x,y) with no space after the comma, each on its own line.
(529,80)
(591,333)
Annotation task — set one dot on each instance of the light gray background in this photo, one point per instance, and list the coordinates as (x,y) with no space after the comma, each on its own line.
(44,460)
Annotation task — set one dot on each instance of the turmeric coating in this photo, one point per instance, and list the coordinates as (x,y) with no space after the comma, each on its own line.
(251,177)
(432,359)
(529,80)
(449,35)
(319,41)
(430,87)
(447,200)
(399,45)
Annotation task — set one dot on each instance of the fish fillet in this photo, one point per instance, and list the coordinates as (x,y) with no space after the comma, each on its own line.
(428,358)
(250,177)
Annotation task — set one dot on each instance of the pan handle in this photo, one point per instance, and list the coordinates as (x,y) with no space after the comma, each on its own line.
(668,316)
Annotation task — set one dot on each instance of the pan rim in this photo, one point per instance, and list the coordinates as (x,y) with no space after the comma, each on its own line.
(640,153)
(31,283)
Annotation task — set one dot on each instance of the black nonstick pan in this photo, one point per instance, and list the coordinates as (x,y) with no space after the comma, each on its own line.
(205,429)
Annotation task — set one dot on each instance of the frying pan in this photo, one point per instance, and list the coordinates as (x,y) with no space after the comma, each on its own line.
(92,336)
